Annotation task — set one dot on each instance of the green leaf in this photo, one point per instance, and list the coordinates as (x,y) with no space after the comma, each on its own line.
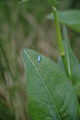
(53,2)
(72,62)
(51,95)
(70,18)
(23,1)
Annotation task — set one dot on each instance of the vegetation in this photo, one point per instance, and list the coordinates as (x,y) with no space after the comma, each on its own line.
(25,26)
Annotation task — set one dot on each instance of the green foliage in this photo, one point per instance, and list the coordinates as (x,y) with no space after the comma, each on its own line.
(71,18)
(72,63)
(53,2)
(23,1)
(23,26)
(5,113)
(15,32)
(50,93)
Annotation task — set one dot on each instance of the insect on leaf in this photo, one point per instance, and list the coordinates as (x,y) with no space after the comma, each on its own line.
(51,95)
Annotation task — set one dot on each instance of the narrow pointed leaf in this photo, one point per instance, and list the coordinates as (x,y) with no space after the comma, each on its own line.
(23,1)
(53,2)
(71,18)
(51,95)
(72,62)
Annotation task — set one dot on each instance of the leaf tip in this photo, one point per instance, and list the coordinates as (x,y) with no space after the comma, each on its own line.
(23,1)
(64,32)
(53,2)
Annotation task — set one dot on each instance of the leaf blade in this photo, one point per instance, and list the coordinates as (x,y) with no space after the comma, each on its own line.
(70,18)
(39,88)
(72,62)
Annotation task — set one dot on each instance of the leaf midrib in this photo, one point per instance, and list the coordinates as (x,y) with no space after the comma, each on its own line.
(44,84)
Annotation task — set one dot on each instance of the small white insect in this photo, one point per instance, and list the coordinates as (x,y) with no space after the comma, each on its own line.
(39,58)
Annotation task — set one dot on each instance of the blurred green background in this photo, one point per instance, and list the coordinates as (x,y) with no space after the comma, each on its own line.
(25,26)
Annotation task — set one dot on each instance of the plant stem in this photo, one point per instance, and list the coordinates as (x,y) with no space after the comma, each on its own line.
(61,49)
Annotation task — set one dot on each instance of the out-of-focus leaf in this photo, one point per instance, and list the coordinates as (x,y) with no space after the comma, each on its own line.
(51,95)
(72,63)
(6,113)
(71,18)
(53,2)
(23,1)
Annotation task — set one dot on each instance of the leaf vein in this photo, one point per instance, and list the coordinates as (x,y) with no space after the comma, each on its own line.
(44,84)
